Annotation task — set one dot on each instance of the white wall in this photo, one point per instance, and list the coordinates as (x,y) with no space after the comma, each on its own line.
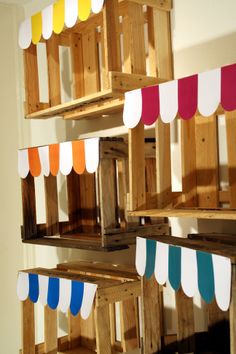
(204,34)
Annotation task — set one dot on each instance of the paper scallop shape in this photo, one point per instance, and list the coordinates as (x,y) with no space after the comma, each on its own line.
(66,158)
(187,96)
(97,6)
(36,22)
(132,108)
(228,87)
(54,158)
(84,9)
(88,298)
(23,163)
(168,93)
(44,160)
(58,16)
(33,287)
(205,276)
(77,292)
(161,265)
(34,162)
(141,255)
(209,89)
(150,104)
(189,271)
(47,22)
(78,152)
(222,281)
(150,258)
(91,154)
(174,270)
(22,286)
(43,289)
(64,295)
(71,12)
(25,34)
(53,293)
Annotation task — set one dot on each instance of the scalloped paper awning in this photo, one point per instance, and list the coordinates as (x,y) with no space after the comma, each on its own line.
(60,293)
(80,154)
(192,270)
(203,92)
(54,17)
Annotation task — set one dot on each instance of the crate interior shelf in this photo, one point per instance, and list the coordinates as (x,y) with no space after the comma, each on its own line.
(201,213)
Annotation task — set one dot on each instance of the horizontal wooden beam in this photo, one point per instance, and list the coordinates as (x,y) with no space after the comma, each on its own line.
(165,5)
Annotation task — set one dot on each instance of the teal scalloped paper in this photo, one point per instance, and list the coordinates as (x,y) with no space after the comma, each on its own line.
(151,256)
(174,267)
(206,284)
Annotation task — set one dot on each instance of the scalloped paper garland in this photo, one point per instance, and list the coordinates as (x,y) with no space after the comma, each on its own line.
(203,92)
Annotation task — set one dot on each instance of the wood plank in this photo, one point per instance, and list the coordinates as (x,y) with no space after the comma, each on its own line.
(207,162)
(74,208)
(129,324)
(54,88)
(112,315)
(151,43)
(51,205)
(122,82)
(88,202)
(188,154)
(74,330)
(28,327)
(90,62)
(185,323)
(103,333)
(50,330)
(233,313)
(163,164)
(31,79)
(88,335)
(230,120)
(29,208)
(151,315)
(110,40)
(165,5)
(77,64)
(107,195)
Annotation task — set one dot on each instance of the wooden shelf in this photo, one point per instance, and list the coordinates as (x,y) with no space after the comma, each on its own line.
(200,213)
(100,103)
(78,351)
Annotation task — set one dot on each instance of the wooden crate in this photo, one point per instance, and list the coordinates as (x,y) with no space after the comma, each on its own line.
(97,211)
(220,334)
(116,283)
(108,56)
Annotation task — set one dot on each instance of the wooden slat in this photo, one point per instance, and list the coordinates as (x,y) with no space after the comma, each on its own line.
(129,324)
(163,164)
(53,70)
(185,323)
(165,5)
(188,154)
(31,79)
(151,43)
(103,333)
(122,82)
(207,162)
(111,40)
(90,62)
(151,316)
(51,204)
(28,328)
(107,194)
(50,330)
(74,323)
(233,312)
(88,335)
(230,120)
(73,191)
(29,208)
(112,315)
(88,202)
(77,64)
(150,180)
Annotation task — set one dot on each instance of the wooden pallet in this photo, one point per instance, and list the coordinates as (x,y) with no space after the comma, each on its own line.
(101,55)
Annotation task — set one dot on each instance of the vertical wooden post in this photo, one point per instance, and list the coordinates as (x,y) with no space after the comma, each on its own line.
(77,64)
(51,201)
(102,326)
(233,312)
(29,208)
(87,332)
(151,315)
(88,202)
(28,328)
(74,208)
(129,325)
(31,79)
(230,119)
(74,330)
(50,331)
(53,70)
